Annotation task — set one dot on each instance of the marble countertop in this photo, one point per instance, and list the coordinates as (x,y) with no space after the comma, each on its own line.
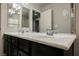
(59,40)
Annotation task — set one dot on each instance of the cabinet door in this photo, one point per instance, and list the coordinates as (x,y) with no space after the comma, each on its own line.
(14,51)
(14,46)
(24,45)
(10,45)
(8,48)
(43,50)
(7,45)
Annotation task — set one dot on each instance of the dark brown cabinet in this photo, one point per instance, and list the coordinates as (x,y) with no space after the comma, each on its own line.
(14,46)
(7,45)
(10,45)
(44,50)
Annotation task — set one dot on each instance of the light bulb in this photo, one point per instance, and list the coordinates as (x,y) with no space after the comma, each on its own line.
(14,5)
(9,10)
(18,7)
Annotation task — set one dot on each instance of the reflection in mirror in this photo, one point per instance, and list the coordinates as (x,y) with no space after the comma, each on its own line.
(13,15)
(62,18)
(25,17)
(58,17)
(36,19)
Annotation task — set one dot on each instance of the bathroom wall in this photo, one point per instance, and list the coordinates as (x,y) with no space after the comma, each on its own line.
(3,23)
(61,16)
(1,41)
(76,43)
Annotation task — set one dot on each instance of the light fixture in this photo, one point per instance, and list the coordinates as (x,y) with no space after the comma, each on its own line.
(18,7)
(9,10)
(14,5)
(14,9)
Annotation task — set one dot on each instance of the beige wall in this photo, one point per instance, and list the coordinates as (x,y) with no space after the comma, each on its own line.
(76,44)
(1,41)
(61,22)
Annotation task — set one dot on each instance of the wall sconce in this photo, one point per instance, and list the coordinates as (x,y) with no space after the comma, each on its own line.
(14,9)
(11,11)
(16,6)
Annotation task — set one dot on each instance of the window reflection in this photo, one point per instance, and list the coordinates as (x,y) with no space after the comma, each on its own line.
(13,15)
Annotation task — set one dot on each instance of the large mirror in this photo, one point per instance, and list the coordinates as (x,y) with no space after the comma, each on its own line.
(55,16)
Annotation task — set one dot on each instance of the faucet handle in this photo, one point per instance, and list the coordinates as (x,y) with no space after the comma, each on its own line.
(22,31)
(50,32)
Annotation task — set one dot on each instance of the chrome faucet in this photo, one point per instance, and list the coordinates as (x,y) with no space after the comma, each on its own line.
(21,30)
(50,32)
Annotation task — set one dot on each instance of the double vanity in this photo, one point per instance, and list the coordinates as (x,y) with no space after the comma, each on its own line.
(38,44)
(29,25)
